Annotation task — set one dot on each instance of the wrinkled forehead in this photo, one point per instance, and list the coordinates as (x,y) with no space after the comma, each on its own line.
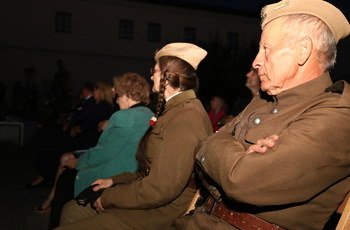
(274,30)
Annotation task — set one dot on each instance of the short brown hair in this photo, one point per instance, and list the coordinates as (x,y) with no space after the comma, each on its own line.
(132,85)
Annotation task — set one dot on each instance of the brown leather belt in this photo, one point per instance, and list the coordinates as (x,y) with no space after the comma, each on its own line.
(192,184)
(243,221)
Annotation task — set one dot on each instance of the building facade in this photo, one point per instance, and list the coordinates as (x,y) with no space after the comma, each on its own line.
(98,39)
(91,40)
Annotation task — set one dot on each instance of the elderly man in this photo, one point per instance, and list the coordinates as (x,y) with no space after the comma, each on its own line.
(284,162)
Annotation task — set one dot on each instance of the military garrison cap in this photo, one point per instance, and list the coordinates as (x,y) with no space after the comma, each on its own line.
(186,51)
(325,11)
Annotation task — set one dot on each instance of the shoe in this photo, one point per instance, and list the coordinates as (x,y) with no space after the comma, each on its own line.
(46,203)
(39,209)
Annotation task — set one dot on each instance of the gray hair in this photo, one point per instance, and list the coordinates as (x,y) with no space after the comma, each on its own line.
(322,37)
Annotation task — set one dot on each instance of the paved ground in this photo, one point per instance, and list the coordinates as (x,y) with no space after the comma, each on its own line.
(16,201)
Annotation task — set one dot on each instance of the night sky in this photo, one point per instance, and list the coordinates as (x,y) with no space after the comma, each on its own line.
(255,5)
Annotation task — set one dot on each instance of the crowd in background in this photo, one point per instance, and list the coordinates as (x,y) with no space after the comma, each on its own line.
(61,101)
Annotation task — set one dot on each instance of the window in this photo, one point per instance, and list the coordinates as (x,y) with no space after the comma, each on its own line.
(189,35)
(125,29)
(63,22)
(154,32)
(232,41)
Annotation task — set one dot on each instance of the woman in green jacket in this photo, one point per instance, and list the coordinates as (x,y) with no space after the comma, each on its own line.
(115,151)
(162,189)
(116,147)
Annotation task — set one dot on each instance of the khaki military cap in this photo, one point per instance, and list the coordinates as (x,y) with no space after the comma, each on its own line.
(328,13)
(186,51)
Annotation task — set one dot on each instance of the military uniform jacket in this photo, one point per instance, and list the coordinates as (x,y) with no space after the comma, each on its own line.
(157,200)
(300,182)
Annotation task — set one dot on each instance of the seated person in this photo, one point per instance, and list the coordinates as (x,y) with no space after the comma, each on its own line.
(84,134)
(85,103)
(216,111)
(116,147)
(299,181)
(163,187)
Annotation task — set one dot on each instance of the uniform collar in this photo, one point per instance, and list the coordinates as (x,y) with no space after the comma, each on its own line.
(167,99)
(304,91)
(179,99)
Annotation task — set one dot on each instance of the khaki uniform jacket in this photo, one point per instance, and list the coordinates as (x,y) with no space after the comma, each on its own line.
(300,182)
(158,199)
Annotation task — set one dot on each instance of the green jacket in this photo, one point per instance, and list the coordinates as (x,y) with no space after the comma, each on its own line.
(158,199)
(116,147)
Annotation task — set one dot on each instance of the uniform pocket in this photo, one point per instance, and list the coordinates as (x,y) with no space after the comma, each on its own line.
(158,129)
(262,132)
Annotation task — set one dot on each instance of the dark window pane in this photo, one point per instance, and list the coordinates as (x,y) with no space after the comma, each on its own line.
(63,22)
(154,32)
(125,29)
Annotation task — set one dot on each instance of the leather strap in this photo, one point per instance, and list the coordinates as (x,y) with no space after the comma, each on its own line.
(243,221)
(192,183)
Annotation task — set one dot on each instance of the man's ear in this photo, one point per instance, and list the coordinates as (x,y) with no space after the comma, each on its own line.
(305,50)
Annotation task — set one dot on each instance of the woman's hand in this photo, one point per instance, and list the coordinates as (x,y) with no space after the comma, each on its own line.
(102,183)
(70,163)
(262,145)
(102,125)
(64,159)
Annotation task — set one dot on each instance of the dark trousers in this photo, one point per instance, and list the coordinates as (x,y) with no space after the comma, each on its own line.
(64,192)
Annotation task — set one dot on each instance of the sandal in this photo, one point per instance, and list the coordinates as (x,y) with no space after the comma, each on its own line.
(40,209)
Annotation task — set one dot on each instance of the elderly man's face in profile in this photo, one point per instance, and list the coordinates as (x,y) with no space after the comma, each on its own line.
(276,61)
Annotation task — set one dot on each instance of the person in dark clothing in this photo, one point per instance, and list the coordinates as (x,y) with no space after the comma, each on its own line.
(50,134)
(84,109)
(83,135)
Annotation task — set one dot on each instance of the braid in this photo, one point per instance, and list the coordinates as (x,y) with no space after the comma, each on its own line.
(161,99)
(141,154)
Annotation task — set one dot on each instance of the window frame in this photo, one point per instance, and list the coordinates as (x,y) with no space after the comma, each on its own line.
(63,22)
(154,32)
(126,29)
